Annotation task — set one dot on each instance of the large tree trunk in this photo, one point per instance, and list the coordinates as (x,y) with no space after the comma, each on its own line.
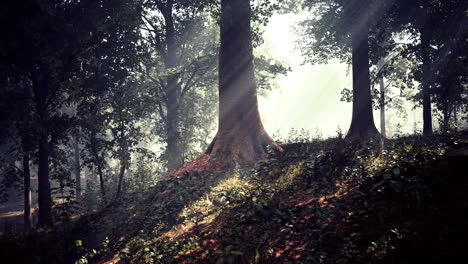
(27,192)
(173,151)
(77,166)
(362,123)
(41,93)
(382,107)
(241,138)
(427,114)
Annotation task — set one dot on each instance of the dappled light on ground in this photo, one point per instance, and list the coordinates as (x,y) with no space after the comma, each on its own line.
(318,202)
(300,207)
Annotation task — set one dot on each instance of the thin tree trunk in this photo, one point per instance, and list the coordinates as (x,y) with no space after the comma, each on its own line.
(123,158)
(455,117)
(241,137)
(362,123)
(446,114)
(99,163)
(382,107)
(45,199)
(77,167)
(426,73)
(101,182)
(27,192)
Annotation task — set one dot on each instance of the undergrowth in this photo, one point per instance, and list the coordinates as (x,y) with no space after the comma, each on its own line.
(321,201)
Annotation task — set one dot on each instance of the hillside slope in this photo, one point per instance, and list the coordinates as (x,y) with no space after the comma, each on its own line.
(328,201)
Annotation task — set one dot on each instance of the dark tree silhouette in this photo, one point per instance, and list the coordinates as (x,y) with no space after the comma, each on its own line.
(27,192)
(347,30)
(362,123)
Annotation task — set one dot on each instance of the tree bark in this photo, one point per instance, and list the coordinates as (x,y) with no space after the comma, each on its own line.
(382,107)
(99,163)
(362,123)
(173,151)
(45,199)
(41,93)
(426,68)
(241,138)
(27,192)
(124,158)
(446,116)
(101,182)
(119,185)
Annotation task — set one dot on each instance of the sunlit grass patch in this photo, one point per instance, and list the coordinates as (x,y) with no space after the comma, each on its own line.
(288,175)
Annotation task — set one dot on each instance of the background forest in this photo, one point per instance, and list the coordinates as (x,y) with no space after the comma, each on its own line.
(131,130)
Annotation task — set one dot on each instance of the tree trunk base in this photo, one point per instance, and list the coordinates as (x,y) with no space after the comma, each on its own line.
(369,133)
(232,149)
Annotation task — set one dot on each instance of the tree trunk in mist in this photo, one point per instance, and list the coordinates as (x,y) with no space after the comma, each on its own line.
(446,115)
(382,107)
(99,163)
(123,158)
(27,192)
(77,166)
(173,150)
(101,182)
(362,123)
(426,73)
(119,185)
(241,138)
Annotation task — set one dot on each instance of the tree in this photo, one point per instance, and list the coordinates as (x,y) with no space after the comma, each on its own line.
(46,43)
(182,39)
(449,60)
(77,165)
(182,57)
(16,119)
(128,107)
(349,31)
(241,138)
(437,30)
(27,192)
(424,25)
(110,115)
(390,71)
(362,122)
(95,149)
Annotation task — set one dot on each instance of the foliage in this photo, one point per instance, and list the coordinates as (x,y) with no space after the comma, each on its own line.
(329,202)
(139,72)
(325,34)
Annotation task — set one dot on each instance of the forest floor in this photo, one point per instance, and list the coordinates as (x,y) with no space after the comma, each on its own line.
(324,201)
